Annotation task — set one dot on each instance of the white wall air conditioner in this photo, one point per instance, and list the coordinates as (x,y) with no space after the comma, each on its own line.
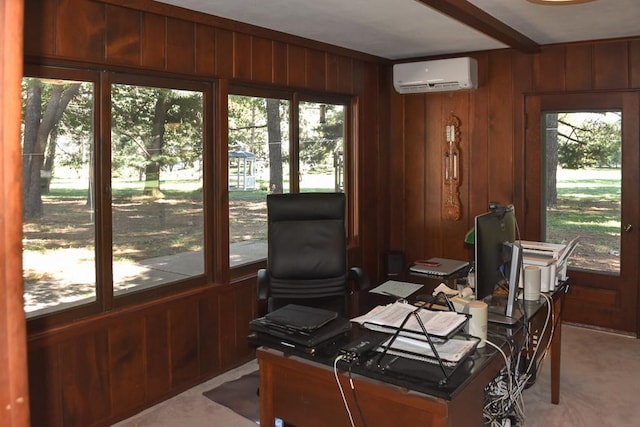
(436,76)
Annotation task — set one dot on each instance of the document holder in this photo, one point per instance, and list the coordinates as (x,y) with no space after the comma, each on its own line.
(446,367)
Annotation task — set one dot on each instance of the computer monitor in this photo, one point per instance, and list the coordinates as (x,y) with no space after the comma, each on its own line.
(498,257)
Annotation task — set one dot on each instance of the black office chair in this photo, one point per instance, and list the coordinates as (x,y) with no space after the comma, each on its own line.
(307,253)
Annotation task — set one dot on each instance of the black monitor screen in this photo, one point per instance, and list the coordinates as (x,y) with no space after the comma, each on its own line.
(492,257)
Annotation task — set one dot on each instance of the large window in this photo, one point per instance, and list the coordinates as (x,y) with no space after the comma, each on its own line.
(156,186)
(140,194)
(267,155)
(58,194)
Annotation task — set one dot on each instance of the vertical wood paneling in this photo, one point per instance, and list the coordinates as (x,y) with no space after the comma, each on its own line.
(522,69)
(634,64)
(40,38)
(332,73)
(434,146)
(296,70)
(154,31)
(242,56)
(478,167)
(261,59)
(209,335)
(85,379)
(369,177)
(397,152)
(345,74)
(533,156)
(414,177)
(226,312)
(315,65)
(183,342)
(549,68)
(181,55)
(158,357)
(127,365)
(610,65)
(45,386)
(123,35)
(578,64)
(80,30)
(224,53)
(280,63)
(500,154)
(205,50)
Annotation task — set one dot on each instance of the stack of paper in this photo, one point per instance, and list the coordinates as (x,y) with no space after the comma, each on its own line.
(453,350)
(389,319)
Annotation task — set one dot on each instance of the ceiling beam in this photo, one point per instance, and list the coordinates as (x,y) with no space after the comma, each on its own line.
(474,17)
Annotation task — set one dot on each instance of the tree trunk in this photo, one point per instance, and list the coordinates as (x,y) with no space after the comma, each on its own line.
(275,146)
(154,149)
(551,142)
(32,116)
(34,149)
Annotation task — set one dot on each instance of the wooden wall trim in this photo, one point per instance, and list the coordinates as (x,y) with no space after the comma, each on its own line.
(240,27)
(14,400)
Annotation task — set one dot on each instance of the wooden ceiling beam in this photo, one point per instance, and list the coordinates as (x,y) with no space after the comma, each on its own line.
(469,14)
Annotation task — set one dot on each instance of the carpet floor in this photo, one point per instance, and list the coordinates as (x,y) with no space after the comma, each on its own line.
(599,387)
(241,396)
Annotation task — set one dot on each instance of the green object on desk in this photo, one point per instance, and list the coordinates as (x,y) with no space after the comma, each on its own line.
(470,237)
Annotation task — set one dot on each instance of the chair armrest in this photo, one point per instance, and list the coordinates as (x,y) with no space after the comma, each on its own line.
(359,277)
(263,285)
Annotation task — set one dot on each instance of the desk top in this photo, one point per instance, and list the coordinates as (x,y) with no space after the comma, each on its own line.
(414,375)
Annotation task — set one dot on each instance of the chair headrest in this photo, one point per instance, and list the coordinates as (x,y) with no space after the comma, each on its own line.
(305,206)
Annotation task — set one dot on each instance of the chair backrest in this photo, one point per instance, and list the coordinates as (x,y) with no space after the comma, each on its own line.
(307,248)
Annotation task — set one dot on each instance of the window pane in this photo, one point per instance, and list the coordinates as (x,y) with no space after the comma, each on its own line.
(583,185)
(58,227)
(156,180)
(258,164)
(321,147)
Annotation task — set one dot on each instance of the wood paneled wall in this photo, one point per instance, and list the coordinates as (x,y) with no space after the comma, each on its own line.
(102,369)
(492,147)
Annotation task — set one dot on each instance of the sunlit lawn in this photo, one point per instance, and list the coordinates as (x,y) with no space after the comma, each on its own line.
(588,206)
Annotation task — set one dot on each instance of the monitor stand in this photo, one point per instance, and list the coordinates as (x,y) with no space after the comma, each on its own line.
(505,310)
(497,311)
(503,319)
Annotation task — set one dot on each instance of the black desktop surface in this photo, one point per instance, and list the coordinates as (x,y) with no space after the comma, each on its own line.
(414,375)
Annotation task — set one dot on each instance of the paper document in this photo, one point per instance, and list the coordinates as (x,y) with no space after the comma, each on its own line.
(389,319)
(452,350)
(397,289)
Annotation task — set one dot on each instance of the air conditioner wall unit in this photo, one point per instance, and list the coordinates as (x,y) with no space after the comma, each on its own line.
(436,76)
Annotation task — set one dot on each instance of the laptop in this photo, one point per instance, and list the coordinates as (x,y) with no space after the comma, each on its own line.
(265,333)
(300,317)
(438,266)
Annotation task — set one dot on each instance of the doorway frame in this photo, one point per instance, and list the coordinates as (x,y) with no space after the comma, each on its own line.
(604,301)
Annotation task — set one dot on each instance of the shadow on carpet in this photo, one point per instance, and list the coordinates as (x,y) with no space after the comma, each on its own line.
(241,396)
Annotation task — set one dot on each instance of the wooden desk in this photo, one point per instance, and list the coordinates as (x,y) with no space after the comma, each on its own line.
(303,392)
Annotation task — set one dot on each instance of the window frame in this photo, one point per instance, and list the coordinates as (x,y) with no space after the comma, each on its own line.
(351,150)
(105,300)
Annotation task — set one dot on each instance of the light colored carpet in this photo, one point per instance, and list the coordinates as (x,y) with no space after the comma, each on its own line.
(599,383)
(599,387)
(193,409)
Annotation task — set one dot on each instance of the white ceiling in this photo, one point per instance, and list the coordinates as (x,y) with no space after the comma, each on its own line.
(397,29)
